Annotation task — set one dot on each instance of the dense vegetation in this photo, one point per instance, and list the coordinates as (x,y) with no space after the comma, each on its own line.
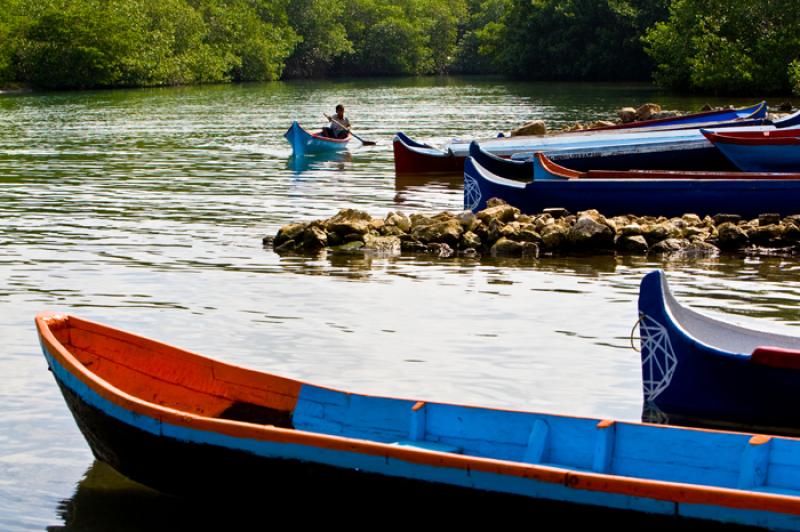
(700,45)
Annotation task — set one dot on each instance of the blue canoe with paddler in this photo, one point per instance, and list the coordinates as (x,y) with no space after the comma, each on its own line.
(333,137)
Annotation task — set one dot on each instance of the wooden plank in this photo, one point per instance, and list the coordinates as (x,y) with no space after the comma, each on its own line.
(604,446)
(754,463)
(536,452)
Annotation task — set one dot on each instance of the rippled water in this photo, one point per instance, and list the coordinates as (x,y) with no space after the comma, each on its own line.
(145,209)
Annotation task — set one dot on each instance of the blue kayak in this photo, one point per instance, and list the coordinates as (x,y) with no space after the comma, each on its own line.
(304,142)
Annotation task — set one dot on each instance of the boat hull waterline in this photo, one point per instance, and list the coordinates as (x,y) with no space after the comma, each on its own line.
(157,413)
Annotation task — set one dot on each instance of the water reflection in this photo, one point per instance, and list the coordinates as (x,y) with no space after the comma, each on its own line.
(105,500)
(335,160)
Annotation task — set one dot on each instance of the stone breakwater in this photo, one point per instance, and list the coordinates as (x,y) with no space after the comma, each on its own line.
(501,230)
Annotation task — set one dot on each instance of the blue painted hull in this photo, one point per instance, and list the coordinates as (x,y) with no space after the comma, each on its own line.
(328,435)
(613,197)
(690,377)
(303,142)
(762,158)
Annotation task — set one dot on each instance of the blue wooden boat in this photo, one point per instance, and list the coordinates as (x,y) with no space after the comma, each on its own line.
(763,151)
(754,112)
(641,192)
(186,424)
(411,156)
(303,142)
(699,370)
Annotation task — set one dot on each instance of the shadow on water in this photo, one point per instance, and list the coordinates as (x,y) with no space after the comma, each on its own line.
(105,500)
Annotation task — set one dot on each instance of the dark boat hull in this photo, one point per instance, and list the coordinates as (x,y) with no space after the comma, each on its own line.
(688,380)
(613,197)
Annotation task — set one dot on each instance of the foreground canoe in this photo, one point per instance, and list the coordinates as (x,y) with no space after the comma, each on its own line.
(186,424)
(763,151)
(304,142)
(699,370)
(656,193)
(411,156)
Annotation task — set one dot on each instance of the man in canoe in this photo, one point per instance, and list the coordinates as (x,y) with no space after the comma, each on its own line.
(339,126)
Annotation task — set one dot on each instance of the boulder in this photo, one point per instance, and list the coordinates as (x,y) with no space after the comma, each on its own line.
(528,233)
(692,219)
(646,111)
(510,231)
(600,124)
(494,202)
(655,233)
(554,236)
(664,114)
(631,243)
(469,253)
(589,233)
(506,248)
(504,213)
(670,245)
(447,231)
(725,218)
(791,233)
(633,229)
(769,219)
(389,245)
(470,240)
(730,236)
(767,236)
(410,245)
(468,220)
(289,232)
(348,221)
(391,230)
(556,212)
(314,238)
(376,224)
(627,114)
(440,249)
(288,245)
(534,127)
(399,220)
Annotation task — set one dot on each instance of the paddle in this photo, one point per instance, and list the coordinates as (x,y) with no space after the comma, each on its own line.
(364,142)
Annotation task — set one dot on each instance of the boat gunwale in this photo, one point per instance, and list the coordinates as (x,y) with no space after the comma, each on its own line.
(675,492)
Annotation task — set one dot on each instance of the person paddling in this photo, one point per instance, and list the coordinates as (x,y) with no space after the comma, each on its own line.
(339,126)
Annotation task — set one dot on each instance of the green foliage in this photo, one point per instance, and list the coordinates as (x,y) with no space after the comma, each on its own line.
(105,43)
(794,76)
(724,46)
(319,23)
(569,39)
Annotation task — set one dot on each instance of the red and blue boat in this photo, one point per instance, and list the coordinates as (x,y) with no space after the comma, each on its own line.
(681,133)
(303,141)
(185,424)
(759,151)
(617,192)
(701,370)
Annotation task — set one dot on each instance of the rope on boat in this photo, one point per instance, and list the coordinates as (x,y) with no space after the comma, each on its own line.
(642,316)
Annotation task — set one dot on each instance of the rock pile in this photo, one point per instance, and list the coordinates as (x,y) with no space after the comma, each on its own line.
(501,230)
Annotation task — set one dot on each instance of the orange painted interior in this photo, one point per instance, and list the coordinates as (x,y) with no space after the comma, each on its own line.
(557,169)
(167,376)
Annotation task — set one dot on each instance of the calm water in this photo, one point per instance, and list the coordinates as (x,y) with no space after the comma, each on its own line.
(145,209)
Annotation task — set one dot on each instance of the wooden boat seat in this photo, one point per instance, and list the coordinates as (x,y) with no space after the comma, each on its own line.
(416,433)
(776,357)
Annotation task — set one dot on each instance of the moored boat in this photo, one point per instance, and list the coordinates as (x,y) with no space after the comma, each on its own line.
(186,424)
(411,156)
(762,151)
(641,192)
(701,370)
(302,141)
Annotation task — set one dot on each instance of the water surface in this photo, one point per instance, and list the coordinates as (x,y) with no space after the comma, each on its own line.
(145,209)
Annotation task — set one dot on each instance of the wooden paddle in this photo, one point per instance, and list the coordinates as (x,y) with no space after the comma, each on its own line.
(364,142)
